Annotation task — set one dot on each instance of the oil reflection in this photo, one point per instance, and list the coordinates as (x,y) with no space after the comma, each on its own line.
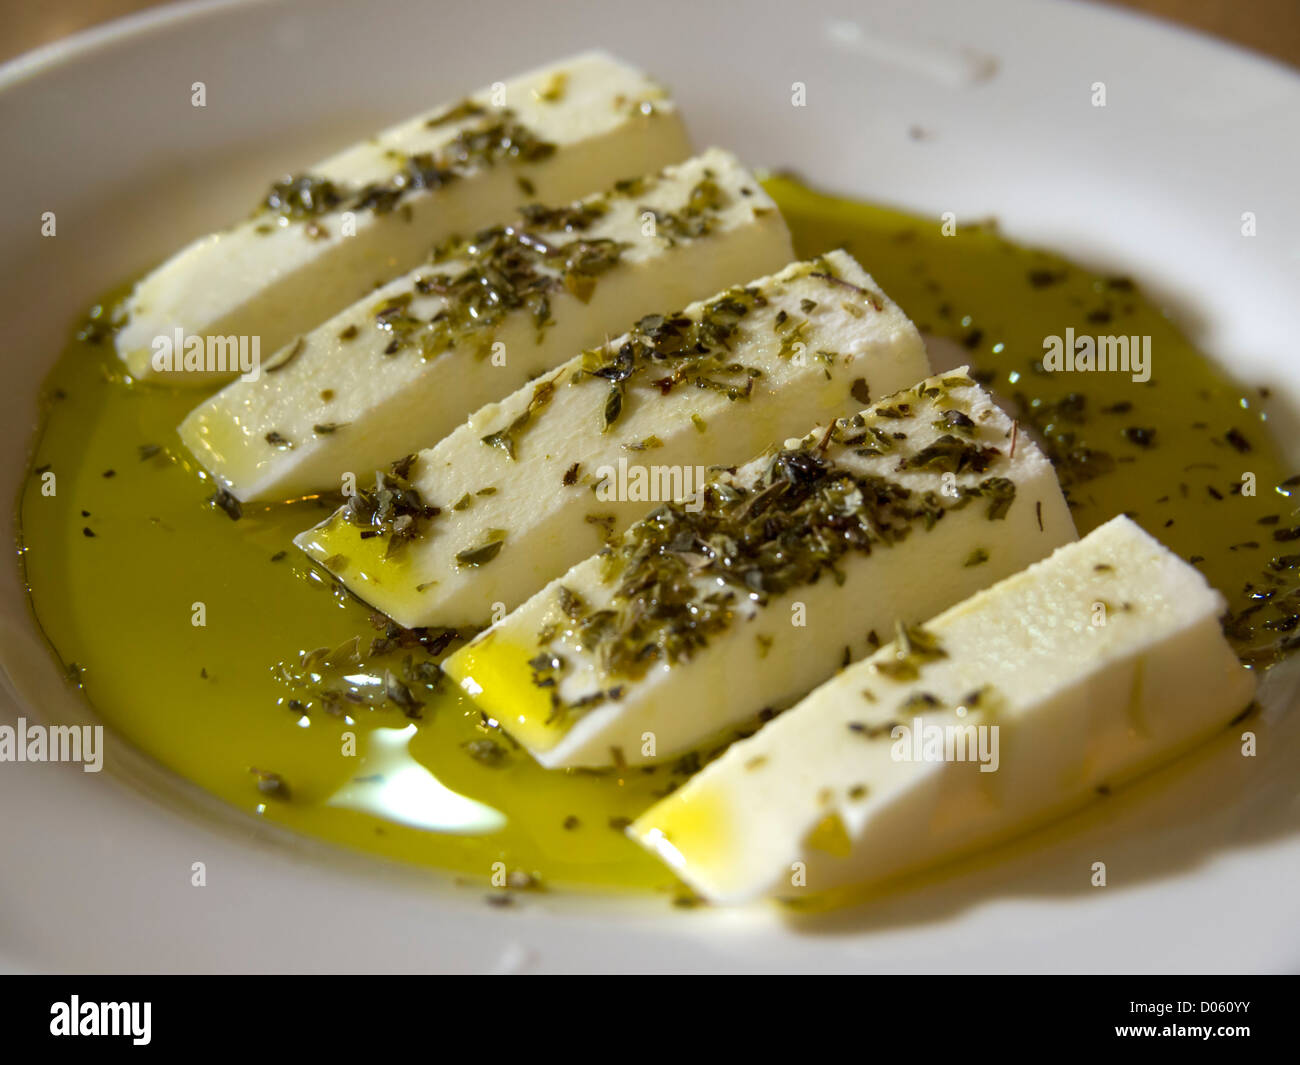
(393,785)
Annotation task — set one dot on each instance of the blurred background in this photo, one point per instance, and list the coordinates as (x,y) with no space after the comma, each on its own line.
(1268,26)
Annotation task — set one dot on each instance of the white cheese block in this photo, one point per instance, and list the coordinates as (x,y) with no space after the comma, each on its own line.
(780,354)
(400,369)
(1053,686)
(548,136)
(798,563)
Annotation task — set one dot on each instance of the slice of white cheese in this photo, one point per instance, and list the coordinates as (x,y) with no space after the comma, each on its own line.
(403,367)
(544,478)
(373,211)
(798,563)
(1013,707)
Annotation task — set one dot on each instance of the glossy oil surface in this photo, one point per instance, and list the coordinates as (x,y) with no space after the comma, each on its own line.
(120,555)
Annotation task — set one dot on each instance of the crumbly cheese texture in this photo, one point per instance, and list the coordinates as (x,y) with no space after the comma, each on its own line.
(799,562)
(400,369)
(555,471)
(1093,665)
(374,210)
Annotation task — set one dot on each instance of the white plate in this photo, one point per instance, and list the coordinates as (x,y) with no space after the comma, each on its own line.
(1203,861)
